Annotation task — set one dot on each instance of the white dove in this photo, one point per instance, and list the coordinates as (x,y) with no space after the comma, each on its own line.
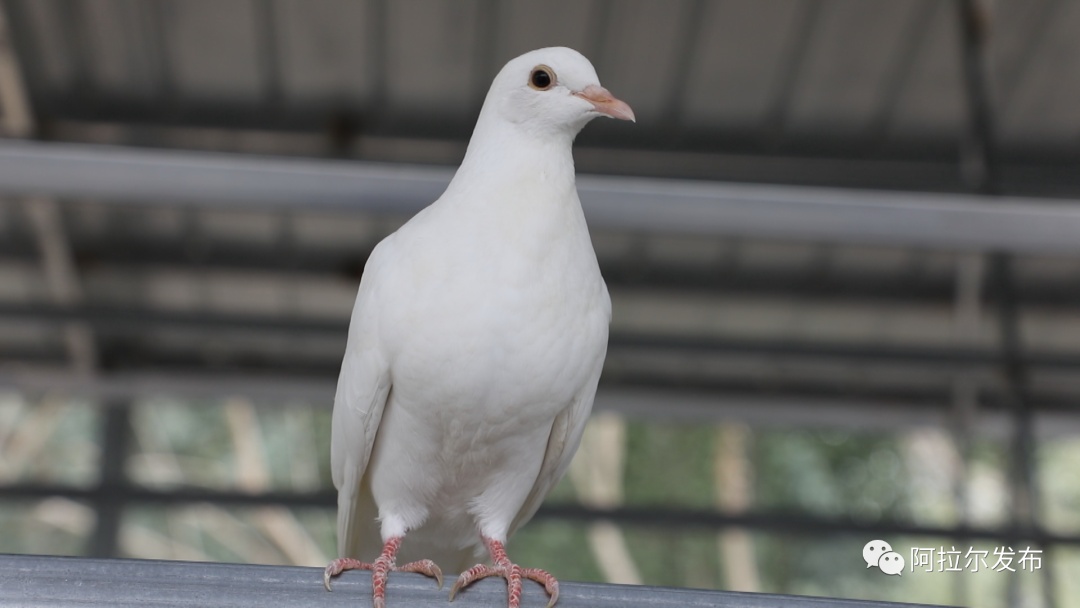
(476,344)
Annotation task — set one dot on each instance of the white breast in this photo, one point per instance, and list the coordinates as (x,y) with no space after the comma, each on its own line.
(488,343)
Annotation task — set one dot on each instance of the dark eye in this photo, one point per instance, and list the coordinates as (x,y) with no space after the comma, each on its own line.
(542,78)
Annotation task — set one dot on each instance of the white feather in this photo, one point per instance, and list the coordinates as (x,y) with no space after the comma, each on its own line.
(477,339)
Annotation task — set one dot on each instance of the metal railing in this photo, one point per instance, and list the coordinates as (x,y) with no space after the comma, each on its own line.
(66,581)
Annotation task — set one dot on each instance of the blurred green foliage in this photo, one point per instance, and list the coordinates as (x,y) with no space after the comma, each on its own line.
(858,476)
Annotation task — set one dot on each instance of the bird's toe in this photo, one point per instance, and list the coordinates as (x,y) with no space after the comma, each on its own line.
(425,567)
(513,574)
(551,585)
(340,565)
(472,575)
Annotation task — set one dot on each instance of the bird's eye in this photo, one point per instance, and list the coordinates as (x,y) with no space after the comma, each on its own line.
(542,78)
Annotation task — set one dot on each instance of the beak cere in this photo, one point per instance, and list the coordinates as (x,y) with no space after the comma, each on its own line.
(606,103)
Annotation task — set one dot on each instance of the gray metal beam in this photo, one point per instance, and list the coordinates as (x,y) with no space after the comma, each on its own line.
(132,319)
(663,404)
(939,221)
(126,251)
(58,581)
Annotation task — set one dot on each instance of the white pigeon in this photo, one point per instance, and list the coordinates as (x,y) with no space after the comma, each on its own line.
(476,344)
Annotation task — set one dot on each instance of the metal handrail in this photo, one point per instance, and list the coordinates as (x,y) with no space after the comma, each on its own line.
(47,582)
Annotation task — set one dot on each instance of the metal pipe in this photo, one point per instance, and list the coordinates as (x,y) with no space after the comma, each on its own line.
(166,178)
(51,582)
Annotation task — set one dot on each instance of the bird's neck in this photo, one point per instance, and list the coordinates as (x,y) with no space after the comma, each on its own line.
(502,154)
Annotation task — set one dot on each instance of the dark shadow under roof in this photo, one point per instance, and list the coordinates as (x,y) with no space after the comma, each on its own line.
(750,84)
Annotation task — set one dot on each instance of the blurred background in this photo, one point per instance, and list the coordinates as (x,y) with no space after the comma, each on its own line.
(842,244)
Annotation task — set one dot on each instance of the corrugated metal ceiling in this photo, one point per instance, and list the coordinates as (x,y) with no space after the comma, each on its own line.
(849,92)
(858,78)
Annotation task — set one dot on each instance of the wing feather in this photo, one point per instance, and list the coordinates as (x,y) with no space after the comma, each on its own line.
(363,390)
(562,444)
(566,431)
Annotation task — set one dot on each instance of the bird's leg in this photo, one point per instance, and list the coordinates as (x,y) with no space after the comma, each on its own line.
(381,569)
(512,572)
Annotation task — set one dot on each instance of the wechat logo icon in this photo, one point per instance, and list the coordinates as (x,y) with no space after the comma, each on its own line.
(879,554)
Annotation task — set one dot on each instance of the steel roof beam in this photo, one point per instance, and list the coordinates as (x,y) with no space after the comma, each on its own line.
(167,178)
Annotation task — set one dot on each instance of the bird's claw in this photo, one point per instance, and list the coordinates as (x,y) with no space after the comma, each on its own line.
(425,567)
(513,574)
(472,575)
(340,565)
(551,586)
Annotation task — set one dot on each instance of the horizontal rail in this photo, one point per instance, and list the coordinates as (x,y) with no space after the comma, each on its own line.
(49,582)
(931,220)
(114,318)
(668,518)
(882,411)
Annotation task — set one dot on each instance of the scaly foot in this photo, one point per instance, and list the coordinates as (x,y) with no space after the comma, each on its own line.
(513,574)
(381,569)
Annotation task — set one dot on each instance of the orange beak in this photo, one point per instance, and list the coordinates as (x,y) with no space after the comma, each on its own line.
(606,103)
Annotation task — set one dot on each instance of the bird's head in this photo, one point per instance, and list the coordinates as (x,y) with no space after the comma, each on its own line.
(552,90)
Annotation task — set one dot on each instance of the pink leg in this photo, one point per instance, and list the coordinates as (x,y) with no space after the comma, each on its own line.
(381,569)
(512,572)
